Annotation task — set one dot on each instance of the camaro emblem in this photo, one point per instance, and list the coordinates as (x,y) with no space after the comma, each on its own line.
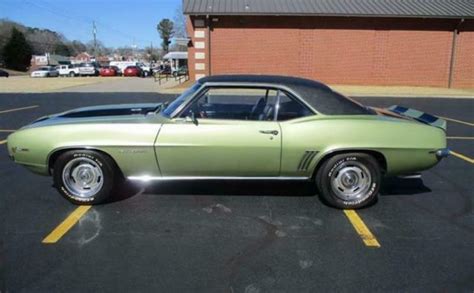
(132,151)
(17,149)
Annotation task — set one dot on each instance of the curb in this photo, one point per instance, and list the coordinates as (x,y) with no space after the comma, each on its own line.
(410,96)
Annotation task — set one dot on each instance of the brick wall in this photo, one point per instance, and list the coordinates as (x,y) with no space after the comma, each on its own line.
(464,62)
(198,52)
(337,50)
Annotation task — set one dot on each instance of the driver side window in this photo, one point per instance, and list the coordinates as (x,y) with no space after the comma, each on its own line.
(235,104)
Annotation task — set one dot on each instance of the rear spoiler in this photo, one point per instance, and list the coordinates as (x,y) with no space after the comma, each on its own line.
(418,116)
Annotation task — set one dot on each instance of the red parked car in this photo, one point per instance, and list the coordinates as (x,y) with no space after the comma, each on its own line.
(132,71)
(108,71)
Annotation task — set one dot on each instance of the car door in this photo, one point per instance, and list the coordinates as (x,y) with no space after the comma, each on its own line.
(233,134)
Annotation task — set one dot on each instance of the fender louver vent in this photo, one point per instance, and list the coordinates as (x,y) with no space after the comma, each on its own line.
(306,160)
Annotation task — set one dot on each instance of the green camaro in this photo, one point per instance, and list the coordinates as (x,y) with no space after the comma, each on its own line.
(241,127)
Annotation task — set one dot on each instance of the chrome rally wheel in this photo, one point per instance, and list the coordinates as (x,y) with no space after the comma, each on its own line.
(83,177)
(351,181)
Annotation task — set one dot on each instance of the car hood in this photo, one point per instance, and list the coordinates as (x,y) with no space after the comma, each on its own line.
(120,113)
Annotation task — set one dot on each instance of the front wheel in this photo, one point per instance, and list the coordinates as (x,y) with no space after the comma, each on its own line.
(349,181)
(84,177)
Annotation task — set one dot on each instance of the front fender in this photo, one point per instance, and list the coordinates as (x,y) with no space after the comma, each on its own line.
(130,146)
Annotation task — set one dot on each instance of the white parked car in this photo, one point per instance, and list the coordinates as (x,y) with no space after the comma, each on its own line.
(88,69)
(45,71)
(69,70)
(145,69)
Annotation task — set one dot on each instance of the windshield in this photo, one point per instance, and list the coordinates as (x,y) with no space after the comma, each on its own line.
(181,99)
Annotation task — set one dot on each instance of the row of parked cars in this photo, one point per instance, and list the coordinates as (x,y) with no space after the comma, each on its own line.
(92,69)
(115,68)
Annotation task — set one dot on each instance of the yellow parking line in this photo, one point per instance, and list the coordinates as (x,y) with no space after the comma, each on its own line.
(461,137)
(18,109)
(3,141)
(66,225)
(361,229)
(457,121)
(463,157)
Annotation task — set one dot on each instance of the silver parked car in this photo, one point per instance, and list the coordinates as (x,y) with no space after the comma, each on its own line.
(89,69)
(45,71)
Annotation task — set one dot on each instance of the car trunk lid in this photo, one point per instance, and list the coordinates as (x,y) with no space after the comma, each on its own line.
(413,114)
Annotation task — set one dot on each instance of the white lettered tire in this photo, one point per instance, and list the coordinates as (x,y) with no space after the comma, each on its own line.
(84,177)
(349,181)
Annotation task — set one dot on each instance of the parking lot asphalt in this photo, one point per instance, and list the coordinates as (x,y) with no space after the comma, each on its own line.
(237,236)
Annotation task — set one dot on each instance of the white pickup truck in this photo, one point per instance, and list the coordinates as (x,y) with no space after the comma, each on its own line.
(145,69)
(70,70)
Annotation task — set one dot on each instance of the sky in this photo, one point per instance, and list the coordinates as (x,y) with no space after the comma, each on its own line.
(119,23)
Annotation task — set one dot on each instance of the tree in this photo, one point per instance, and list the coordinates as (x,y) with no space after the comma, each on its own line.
(152,54)
(180,22)
(101,49)
(166,31)
(62,49)
(17,51)
(77,47)
(43,40)
(179,29)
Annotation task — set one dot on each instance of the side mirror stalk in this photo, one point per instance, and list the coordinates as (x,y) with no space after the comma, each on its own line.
(194,119)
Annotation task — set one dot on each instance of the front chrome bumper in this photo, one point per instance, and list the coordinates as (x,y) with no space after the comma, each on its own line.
(442,153)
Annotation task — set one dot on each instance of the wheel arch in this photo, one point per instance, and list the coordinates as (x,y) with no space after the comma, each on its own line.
(54,155)
(379,157)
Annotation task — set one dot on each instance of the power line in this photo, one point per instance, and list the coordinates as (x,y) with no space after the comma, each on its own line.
(49,10)
(87,20)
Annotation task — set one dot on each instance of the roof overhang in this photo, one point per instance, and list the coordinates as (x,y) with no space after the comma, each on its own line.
(333,15)
(446,9)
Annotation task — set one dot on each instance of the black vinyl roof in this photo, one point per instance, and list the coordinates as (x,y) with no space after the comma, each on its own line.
(272,79)
(368,8)
(321,97)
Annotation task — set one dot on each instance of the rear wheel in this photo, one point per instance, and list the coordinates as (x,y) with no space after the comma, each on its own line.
(84,177)
(349,180)
(72,74)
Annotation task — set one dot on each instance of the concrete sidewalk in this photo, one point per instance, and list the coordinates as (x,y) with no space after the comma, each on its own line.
(402,91)
(25,84)
(124,85)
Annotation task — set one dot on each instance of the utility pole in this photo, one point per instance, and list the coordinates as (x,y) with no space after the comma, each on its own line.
(151,51)
(94,32)
(134,46)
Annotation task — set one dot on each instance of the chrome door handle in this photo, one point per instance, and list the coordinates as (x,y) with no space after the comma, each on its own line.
(273,132)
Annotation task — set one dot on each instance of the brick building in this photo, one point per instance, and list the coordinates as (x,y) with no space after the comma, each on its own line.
(376,42)
(82,57)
